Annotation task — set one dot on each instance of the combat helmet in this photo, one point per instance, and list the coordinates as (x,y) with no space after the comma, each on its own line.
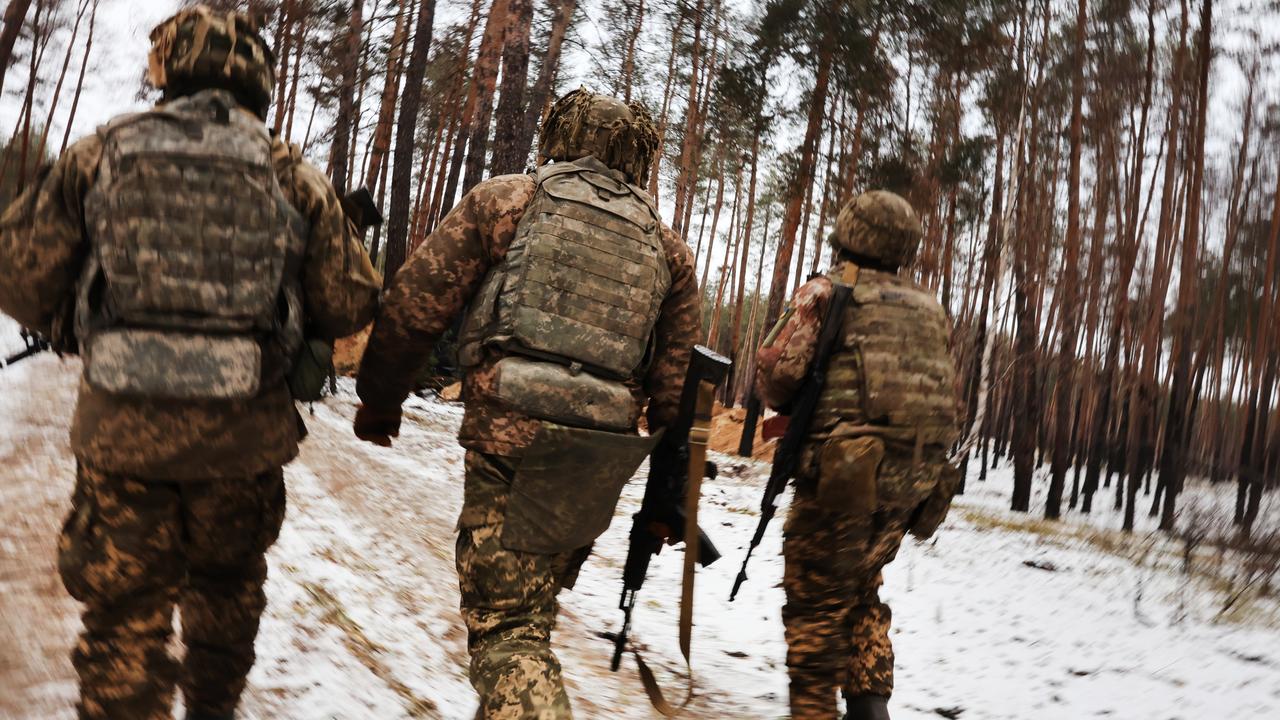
(199,49)
(620,135)
(880,226)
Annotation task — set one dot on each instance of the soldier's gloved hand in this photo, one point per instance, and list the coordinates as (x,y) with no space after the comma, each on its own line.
(377,426)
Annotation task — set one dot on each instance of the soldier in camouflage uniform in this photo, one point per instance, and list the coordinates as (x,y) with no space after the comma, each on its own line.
(580,306)
(875,466)
(181,252)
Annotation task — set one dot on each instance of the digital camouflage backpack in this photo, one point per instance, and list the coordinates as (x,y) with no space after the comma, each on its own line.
(191,290)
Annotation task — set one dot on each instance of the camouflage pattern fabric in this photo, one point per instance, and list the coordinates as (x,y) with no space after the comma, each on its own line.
(583,279)
(200,48)
(443,276)
(879,225)
(837,628)
(509,603)
(582,123)
(132,550)
(42,248)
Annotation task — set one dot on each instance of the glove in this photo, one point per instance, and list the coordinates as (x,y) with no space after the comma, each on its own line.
(377,426)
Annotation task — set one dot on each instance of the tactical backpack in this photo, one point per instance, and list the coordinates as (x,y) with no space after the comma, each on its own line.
(574,302)
(191,291)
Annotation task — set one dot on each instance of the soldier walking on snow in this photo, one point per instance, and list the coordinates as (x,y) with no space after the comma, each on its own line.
(183,252)
(580,305)
(875,464)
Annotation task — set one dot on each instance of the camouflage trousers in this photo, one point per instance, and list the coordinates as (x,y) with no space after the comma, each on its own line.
(509,603)
(837,629)
(132,551)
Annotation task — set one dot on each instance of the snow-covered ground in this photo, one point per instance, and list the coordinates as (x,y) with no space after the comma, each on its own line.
(362,621)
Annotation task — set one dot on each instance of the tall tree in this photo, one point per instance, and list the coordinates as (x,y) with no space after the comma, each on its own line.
(406,126)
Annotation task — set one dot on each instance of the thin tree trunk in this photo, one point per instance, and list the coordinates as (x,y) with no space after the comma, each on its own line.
(804,174)
(390,90)
(84,64)
(406,126)
(484,79)
(14,14)
(1067,286)
(629,59)
(342,139)
(540,95)
(510,154)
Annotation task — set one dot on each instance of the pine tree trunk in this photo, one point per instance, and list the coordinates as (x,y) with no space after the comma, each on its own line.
(484,79)
(390,90)
(14,15)
(84,64)
(803,177)
(468,113)
(406,127)
(629,58)
(683,190)
(342,139)
(1069,278)
(299,44)
(284,38)
(540,95)
(666,106)
(509,154)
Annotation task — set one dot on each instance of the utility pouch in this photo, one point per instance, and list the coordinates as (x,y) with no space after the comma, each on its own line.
(554,392)
(929,515)
(847,472)
(173,365)
(311,368)
(567,486)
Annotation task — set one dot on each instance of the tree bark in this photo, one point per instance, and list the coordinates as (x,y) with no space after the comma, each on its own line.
(406,127)
(484,79)
(540,95)
(510,154)
(390,90)
(1067,285)
(14,15)
(346,97)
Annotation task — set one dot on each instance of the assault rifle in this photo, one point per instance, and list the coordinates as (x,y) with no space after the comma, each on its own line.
(359,206)
(35,346)
(786,457)
(661,515)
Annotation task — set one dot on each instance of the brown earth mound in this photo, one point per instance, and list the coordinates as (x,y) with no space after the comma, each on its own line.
(347,352)
(726,432)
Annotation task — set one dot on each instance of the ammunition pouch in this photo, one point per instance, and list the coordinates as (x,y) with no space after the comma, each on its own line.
(311,368)
(567,486)
(929,515)
(847,473)
(174,365)
(558,393)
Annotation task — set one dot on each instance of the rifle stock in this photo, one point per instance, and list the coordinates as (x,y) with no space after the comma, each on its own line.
(661,515)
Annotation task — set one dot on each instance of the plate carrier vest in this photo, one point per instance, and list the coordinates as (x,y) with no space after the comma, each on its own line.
(892,366)
(192,288)
(580,287)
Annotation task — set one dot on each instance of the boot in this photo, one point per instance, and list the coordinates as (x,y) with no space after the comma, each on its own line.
(867,707)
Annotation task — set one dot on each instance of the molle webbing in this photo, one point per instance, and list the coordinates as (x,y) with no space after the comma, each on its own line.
(583,280)
(189,223)
(894,367)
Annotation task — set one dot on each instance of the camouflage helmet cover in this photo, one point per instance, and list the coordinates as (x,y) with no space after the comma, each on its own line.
(880,225)
(198,46)
(582,123)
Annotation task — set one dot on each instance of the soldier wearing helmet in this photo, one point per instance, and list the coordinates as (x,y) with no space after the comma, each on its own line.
(579,306)
(180,252)
(875,465)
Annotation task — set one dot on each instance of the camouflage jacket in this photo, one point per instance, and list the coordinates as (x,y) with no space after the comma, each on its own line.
(439,280)
(782,362)
(43,243)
